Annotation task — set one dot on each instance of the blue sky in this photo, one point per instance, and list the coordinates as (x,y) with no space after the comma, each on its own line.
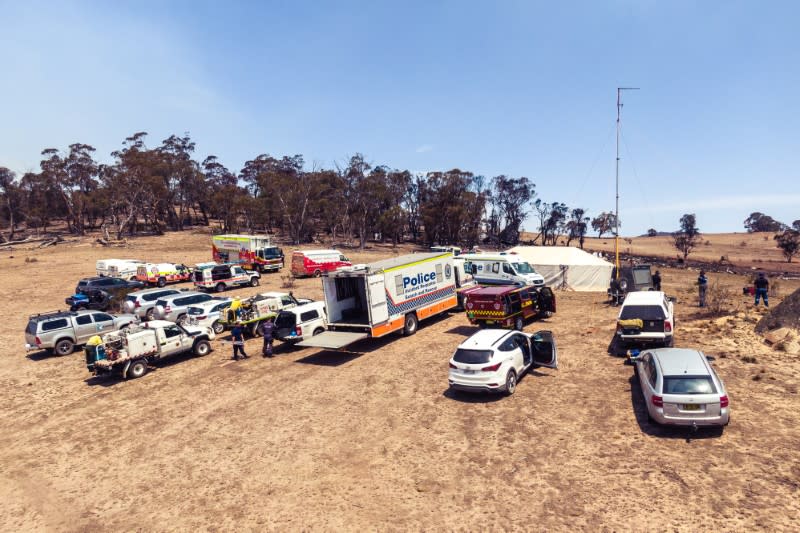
(515,88)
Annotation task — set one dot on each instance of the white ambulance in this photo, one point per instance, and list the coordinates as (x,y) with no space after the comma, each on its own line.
(162,273)
(379,298)
(118,268)
(501,269)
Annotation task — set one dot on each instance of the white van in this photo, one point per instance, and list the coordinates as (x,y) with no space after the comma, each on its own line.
(501,269)
(118,268)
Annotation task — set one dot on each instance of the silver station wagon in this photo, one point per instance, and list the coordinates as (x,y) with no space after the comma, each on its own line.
(680,387)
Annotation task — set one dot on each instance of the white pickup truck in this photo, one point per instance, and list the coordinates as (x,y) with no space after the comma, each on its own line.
(646,317)
(129,352)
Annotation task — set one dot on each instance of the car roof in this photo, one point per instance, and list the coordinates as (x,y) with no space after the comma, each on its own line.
(181,293)
(158,323)
(681,361)
(302,307)
(644,297)
(154,289)
(485,338)
(273,294)
(496,290)
(213,302)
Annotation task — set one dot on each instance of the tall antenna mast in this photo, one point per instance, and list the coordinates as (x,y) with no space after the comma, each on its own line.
(616,211)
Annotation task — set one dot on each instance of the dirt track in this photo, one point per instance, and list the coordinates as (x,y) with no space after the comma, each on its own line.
(374,441)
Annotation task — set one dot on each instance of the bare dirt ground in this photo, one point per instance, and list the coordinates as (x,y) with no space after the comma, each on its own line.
(374,441)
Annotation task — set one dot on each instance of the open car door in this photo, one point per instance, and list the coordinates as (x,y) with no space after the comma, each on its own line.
(543,347)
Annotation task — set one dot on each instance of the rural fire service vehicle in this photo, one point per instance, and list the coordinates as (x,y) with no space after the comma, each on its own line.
(160,274)
(317,262)
(255,252)
(508,306)
(379,298)
(130,351)
(502,269)
(250,312)
(211,276)
(118,268)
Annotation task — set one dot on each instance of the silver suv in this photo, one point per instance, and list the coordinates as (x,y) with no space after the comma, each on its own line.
(175,307)
(61,331)
(143,303)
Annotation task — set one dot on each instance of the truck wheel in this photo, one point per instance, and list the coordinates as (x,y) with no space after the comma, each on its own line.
(317,273)
(318,331)
(137,369)
(254,281)
(411,324)
(669,343)
(150,314)
(64,347)
(217,327)
(161,282)
(220,287)
(202,348)
(511,382)
(182,319)
(519,324)
(255,329)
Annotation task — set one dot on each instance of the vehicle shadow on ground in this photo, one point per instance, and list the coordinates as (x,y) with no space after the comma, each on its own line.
(463,330)
(329,358)
(472,397)
(108,380)
(40,355)
(616,348)
(666,432)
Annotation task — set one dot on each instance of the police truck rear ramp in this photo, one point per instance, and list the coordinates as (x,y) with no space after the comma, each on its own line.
(379,298)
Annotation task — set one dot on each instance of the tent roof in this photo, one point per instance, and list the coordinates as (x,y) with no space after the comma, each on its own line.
(558,255)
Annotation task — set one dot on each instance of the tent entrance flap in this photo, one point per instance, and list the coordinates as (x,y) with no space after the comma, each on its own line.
(333,340)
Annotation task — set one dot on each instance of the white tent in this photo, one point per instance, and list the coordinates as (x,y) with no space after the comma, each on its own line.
(566,267)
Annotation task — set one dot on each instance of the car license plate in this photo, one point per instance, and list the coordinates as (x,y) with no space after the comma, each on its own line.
(468,371)
(691,407)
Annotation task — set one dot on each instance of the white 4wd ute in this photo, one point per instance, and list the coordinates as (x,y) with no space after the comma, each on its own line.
(646,317)
(129,352)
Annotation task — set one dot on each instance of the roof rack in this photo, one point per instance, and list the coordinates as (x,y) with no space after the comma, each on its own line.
(49,314)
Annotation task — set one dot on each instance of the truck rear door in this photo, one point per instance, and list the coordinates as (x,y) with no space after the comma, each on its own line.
(379,311)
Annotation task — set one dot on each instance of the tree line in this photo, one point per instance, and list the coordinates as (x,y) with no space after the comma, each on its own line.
(154,189)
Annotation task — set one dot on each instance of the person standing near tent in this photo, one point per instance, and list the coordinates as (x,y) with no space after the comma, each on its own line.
(702,285)
(657,280)
(762,288)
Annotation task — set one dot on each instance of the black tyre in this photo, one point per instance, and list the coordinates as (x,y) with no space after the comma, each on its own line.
(150,314)
(670,341)
(511,382)
(161,282)
(254,281)
(64,347)
(255,329)
(411,324)
(519,324)
(182,319)
(202,348)
(217,327)
(317,273)
(220,287)
(318,331)
(137,369)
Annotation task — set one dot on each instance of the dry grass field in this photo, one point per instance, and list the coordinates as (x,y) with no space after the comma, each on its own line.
(374,440)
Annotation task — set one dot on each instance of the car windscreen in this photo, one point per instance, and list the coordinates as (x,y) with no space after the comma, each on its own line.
(31,328)
(642,276)
(643,312)
(523,268)
(162,303)
(472,357)
(285,319)
(688,385)
(195,310)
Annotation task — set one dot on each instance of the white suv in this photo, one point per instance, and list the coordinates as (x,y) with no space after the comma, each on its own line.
(292,325)
(493,360)
(646,317)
